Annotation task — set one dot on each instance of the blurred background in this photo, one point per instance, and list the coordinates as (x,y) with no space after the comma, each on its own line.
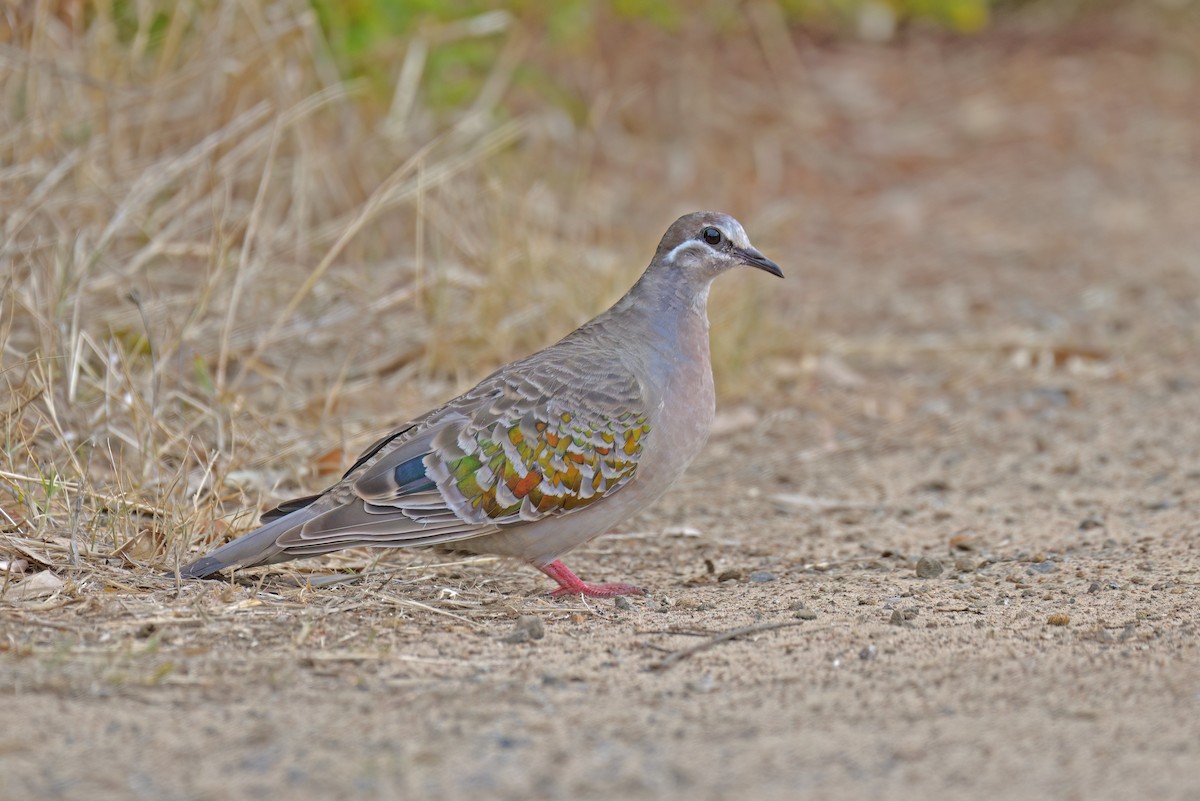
(240,239)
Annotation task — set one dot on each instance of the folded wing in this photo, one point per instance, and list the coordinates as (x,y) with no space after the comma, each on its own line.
(516,449)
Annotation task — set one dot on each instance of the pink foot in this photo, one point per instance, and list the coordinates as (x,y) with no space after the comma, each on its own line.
(571,584)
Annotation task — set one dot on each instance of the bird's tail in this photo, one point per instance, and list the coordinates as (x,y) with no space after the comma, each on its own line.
(250,550)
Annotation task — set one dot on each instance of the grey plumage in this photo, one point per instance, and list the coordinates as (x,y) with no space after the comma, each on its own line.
(547,452)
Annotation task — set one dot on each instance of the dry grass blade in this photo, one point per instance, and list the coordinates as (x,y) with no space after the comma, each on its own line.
(675,657)
(408,602)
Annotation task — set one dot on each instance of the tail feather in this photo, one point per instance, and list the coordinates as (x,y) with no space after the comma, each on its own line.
(250,550)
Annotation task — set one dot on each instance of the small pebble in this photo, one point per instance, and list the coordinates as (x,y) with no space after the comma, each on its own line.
(732,574)
(1043,567)
(1094,587)
(965,564)
(805,614)
(965,542)
(760,576)
(928,568)
(621,602)
(527,627)
(1059,619)
(868,653)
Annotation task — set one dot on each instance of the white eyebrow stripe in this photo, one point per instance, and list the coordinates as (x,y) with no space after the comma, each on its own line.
(691,243)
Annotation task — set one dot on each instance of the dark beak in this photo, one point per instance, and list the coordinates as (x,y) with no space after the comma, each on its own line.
(753,258)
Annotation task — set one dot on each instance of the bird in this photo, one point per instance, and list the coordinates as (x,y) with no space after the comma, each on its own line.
(547,452)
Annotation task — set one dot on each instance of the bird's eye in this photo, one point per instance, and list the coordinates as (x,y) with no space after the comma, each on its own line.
(712,236)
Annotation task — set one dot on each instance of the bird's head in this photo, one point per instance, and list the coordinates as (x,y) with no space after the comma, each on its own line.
(702,245)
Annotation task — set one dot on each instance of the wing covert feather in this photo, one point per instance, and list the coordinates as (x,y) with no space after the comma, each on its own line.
(517,448)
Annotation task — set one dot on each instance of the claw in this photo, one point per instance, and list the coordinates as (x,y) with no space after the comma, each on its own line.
(571,584)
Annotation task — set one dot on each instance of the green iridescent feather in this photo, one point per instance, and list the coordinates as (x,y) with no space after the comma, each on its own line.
(567,465)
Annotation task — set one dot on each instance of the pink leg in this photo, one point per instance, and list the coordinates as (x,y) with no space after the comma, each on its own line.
(571,584)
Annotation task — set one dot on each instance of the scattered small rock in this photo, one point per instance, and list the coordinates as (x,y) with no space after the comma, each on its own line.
(621,602)
(1094,587)
(1059,619)
(965,542)
(1092,521)
(732,574)
(928,568)
(805,614)
(1043,567)
(901,616)
(13,566)
(527,627)
(868,653)
(761,576)
(965,564)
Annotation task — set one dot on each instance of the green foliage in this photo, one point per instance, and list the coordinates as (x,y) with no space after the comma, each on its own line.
(962,16)
(368,37)
(130,19)
(50,482)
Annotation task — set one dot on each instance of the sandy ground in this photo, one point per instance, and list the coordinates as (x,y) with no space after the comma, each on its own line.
(1002,378)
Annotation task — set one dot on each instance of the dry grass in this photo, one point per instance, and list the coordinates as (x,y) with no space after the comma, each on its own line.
(225,268)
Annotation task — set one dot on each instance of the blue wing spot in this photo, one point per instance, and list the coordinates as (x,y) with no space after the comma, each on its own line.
(411,476)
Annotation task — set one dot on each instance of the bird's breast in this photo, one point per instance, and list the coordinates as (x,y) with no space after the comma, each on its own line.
(686,407)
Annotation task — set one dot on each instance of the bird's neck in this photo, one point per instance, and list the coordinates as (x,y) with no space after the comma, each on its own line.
(672,319)
(665,301)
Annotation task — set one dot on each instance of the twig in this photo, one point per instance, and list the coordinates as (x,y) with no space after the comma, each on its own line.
(677,632)
(392,599)
(678,656)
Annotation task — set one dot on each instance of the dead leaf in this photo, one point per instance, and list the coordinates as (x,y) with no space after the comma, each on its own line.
(39,585)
